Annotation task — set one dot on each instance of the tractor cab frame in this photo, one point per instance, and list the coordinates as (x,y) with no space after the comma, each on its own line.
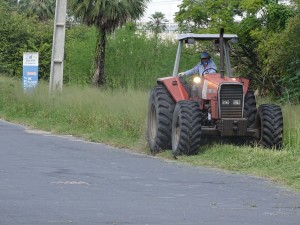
(223,40)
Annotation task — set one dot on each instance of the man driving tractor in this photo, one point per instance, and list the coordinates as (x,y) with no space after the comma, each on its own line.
(205,66)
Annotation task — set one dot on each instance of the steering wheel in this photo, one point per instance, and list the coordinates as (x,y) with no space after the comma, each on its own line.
(208,70)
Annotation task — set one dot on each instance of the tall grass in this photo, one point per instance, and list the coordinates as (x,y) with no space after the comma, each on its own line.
(111,117)
(291,121)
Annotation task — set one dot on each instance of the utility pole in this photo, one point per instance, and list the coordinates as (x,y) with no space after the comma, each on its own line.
(57,60)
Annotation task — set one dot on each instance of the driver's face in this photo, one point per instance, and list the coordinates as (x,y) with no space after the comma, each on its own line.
(204,59)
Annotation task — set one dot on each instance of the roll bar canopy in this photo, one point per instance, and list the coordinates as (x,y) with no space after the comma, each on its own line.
(182,37)
(190,38)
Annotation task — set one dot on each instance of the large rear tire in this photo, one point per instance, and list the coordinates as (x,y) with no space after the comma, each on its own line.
(160,113)
(269,121)
(186,128)
(250,108)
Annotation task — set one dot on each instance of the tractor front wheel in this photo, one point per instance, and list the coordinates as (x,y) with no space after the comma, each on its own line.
(269,121)
(250,108)
(186,128)
(160,112)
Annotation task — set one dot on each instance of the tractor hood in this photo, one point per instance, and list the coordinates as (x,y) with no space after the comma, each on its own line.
(217,80)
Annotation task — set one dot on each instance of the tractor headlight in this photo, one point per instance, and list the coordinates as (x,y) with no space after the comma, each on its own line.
(197,80)
(225,102)
(236,102)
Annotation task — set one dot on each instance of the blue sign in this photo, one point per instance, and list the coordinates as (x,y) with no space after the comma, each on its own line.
(30,70)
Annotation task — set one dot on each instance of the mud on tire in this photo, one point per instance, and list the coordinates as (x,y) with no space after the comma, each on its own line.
(269,121)
(160,113)
(186,128)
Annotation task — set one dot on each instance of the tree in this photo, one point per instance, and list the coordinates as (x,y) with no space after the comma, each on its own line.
(158,23)
(106,15)
(280,54)
(197,15)
(42,9)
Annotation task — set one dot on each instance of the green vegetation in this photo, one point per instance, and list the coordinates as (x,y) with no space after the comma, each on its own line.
(119,118)
(112,117)
(42,10)
(106,16)
(132,61)
(21,34)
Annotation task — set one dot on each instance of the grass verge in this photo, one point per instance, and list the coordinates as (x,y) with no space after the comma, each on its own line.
(119,119)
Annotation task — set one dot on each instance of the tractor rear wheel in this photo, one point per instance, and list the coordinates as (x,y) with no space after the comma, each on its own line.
(160,113)
(269,121)
(250,108)
(186,128)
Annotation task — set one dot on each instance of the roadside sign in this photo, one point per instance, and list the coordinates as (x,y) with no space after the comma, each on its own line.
(30,70)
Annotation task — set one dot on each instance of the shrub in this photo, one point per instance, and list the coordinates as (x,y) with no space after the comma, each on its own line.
(20,34)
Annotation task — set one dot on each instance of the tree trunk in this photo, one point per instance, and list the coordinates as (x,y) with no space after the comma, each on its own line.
(99,76)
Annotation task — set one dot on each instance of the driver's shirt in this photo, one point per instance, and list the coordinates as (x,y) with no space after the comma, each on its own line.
(199,68)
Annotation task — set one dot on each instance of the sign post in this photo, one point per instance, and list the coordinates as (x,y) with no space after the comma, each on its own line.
(30,70)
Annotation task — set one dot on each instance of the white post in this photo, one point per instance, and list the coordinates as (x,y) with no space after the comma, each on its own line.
(57,60)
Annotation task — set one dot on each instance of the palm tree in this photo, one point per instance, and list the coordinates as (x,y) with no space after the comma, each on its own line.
(106,15)
(157,23)
(43,9)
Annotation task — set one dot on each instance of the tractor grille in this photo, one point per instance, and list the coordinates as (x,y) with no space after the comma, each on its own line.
(231,101)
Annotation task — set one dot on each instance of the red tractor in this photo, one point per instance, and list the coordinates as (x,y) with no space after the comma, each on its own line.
(215,104)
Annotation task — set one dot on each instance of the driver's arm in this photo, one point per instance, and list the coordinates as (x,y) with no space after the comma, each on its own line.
(195,70)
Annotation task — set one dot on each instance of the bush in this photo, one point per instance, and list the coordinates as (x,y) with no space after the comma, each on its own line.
(280,54)
(79,54)
(20,34)
(136,61)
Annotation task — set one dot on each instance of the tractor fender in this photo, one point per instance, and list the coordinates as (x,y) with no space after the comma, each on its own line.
(245,83)
(174,87)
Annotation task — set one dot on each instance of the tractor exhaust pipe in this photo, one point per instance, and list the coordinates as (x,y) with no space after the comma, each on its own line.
(222,63)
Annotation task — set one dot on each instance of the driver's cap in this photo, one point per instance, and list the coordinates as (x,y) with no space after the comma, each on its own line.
(204,55)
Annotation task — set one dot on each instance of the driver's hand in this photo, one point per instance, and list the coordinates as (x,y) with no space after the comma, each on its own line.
(181,74)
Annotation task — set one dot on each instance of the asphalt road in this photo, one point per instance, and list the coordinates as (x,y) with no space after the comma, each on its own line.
(50,180)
